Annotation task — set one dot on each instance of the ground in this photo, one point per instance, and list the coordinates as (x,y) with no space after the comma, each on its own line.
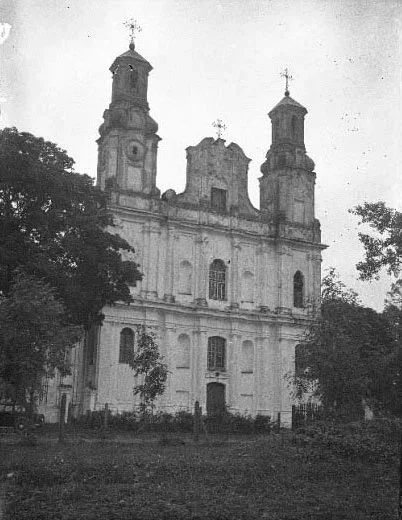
(281,476)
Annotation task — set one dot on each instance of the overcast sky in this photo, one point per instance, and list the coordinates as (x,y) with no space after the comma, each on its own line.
(221,59)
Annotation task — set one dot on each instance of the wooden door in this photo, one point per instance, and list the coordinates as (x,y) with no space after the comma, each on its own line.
(215,398)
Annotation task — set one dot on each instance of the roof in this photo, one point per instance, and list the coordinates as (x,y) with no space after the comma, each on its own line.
(288,101)
(131,53)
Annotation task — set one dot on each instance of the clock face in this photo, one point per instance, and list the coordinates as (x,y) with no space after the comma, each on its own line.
(135,151)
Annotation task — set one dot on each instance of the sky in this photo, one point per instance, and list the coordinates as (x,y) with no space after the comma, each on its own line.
(222,59)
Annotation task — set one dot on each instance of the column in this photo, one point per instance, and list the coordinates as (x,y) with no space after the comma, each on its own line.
(285,279)
(145,259)
(286,360)
(169,265)
(153,260)
(234,380)
(261,278)
(316,280)
(234,278)
(201,271)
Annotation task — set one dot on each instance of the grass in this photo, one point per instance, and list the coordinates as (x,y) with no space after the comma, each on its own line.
(276,477)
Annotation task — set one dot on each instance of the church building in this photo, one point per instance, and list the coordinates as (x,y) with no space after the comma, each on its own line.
(229,289)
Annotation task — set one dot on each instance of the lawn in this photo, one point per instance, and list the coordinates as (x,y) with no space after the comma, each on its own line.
(276,477)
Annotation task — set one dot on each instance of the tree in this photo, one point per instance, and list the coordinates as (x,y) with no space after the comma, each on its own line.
(147,364)
(34,339)
(345,355)
(384,250)
(54,224)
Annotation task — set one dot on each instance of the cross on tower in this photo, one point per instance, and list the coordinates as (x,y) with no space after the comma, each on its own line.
(286,74)
(133,27)
(220,127)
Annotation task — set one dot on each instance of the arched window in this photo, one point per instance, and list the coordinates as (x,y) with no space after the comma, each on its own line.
(91,342)
(183,352)
(218,199)
(300,361)
(185,278)
(281,160)
(247,357)
(248,286)
(126,345)
(298,289)
(217,280)
(217,354)
(276,129)
(294,126)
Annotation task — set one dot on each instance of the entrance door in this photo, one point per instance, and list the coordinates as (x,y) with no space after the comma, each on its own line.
(215,398)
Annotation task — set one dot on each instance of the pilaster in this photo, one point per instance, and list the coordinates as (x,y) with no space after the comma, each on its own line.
(234,272)
(201,272)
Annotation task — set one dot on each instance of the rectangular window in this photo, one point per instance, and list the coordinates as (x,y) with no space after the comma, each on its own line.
(217,285)
(216,354)
(91,340)
(218,199)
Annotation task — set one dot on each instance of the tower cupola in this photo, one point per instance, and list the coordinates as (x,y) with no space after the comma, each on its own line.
(128,143)
(287,119)
(130,77)
(287,184)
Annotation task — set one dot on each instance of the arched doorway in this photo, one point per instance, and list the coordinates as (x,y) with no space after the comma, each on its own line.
(215,398)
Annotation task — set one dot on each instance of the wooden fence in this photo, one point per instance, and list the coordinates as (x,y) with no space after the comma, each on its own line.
(306,414)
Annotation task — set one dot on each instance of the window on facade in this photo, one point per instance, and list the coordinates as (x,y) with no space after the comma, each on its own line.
(281,160)
(185,278)
(216,354)
(91,340)
(300,361)
(217,280)
(247,286)
(183,352)
(218,199)
(294,126)
(298,289)
(247,357)
(126,345)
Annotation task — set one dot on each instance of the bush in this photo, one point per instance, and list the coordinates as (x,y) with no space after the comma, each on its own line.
(377,441)
(180,422)
(262,424)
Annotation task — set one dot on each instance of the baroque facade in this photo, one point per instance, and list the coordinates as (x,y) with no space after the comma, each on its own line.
(228,288)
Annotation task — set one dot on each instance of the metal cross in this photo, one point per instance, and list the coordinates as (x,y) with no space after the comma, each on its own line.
(220,127)
(133,27)
(286,74)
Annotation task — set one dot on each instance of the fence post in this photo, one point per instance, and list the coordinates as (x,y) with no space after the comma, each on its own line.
(105,418)
(279,421)
(62,417)
(196,421)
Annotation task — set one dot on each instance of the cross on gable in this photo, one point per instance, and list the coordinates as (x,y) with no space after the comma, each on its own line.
(133,27)
(286,74)
(220,127)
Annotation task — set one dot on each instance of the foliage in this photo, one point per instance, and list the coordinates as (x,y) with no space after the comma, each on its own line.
(147,364)
(236,423)
(384,250)
(375,441)
(34,339)
(345,355)
(180,422)
(333,289)
(54,223)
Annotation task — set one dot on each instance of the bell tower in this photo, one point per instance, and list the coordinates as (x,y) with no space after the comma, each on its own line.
(287,184)
(128,143)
